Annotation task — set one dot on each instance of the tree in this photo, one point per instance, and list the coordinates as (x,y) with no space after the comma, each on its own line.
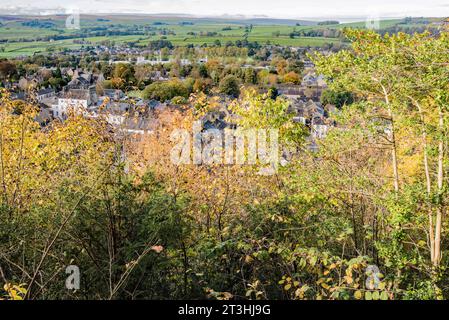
(273,93)
(230,85)
(398,81)
(159,44)
(123,75)
(250,76)
(336,98)
(164,91)
(56,83)
(291,77)
(7,69)
(142,73)
(203,70)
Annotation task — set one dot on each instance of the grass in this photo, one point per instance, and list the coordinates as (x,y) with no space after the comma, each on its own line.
(15,49)
(14,30)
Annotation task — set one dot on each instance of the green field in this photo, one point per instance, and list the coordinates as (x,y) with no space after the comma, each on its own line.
(180,31)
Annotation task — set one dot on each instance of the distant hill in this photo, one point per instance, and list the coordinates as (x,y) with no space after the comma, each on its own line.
(166,18)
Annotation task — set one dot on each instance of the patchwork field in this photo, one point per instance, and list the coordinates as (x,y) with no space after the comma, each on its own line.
(20,35)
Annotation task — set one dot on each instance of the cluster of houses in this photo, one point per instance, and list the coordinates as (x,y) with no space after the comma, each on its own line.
(118,110)
(306,109)
(81,95)
(306,106)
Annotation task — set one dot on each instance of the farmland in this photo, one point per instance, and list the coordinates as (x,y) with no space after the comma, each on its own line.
(26,35)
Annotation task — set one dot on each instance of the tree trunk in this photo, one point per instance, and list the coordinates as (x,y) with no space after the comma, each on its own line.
(428,180)
(394,158)
(440,179)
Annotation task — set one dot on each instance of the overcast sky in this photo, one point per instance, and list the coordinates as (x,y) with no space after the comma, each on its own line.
(270,8)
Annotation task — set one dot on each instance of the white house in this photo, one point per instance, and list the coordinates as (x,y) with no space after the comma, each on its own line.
(319,128)
(74,100)
(64,105)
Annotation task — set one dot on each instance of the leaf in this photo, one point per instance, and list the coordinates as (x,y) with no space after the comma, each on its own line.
(287,287)
(358,295)
(384,295)
(20,289)
(368,295)
(375,295)
(348,279)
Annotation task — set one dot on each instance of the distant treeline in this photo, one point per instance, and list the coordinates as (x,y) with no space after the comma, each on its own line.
(39,24)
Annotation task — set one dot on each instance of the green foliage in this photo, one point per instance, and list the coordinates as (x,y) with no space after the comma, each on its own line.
(164,91)
(397,81)
(264,112)
(160,44)
(230,85)
(338,99)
